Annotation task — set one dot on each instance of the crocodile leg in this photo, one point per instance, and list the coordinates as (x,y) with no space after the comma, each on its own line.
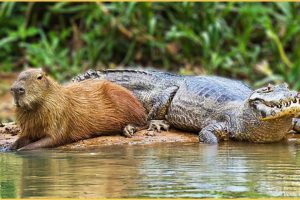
(213,133)
(159,110)
(162,103)
(296,125)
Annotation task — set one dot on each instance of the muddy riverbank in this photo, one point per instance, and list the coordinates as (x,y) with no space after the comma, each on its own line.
(9,131)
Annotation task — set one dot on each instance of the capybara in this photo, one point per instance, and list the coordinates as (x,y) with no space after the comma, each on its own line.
(50,114)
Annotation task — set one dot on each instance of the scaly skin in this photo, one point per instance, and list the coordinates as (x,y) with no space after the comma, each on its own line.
(216,107)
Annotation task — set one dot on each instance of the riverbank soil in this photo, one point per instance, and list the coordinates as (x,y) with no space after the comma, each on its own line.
(8,134)
(9,131)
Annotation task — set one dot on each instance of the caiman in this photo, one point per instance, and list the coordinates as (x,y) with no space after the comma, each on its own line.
(218,108)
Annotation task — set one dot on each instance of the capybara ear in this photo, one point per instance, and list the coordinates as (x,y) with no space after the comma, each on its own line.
(43,69)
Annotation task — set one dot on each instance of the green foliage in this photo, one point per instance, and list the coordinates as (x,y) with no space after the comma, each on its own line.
(257,42)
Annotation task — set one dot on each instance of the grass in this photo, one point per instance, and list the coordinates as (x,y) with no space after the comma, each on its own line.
(255,42)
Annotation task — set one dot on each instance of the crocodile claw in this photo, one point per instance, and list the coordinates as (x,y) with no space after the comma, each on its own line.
(158,125)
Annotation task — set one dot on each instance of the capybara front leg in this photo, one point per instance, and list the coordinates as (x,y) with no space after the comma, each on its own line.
(42,143)
(19,143)
(129,130)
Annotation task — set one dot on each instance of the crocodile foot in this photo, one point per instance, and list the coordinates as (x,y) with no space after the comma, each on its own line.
(129,131)
(158,125)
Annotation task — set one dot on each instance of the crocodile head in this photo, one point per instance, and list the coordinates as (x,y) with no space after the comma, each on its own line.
(268,113)
(274,102)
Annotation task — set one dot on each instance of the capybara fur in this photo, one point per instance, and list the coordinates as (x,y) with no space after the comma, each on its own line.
(50,114)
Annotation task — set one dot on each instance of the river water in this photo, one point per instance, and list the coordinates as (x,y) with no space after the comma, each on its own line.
(166,170)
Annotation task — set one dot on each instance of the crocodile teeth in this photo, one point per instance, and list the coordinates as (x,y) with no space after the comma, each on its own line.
(281,105)
(295,100)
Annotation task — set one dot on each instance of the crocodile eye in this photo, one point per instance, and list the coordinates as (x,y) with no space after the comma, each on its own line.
(266,89)
(270,86)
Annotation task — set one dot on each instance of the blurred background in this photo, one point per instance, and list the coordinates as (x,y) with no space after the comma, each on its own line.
(254,42)
(250,41)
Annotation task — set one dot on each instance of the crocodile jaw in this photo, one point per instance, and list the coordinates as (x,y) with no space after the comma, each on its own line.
(289,108)
(274,102)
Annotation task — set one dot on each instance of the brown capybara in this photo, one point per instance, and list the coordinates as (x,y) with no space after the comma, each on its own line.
(50,115)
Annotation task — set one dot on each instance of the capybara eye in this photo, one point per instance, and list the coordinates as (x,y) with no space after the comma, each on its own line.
(40,77)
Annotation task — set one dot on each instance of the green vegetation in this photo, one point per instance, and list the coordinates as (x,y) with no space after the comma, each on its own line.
(257,42)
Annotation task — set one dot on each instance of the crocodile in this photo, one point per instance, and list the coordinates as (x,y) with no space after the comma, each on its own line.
(217,108)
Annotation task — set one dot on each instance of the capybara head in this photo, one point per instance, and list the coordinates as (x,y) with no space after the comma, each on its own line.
(30,88)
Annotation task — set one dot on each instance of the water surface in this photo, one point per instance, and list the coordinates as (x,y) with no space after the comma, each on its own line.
(166,170)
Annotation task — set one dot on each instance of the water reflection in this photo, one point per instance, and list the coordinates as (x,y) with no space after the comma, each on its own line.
(185,170)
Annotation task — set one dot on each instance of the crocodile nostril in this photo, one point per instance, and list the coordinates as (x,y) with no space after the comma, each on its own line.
(21,90)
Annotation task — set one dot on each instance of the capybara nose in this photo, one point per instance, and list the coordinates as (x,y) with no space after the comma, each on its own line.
(18,90)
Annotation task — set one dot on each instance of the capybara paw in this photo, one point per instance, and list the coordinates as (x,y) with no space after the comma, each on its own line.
(22,149)
(129,131)
(13,147)
(158,125)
